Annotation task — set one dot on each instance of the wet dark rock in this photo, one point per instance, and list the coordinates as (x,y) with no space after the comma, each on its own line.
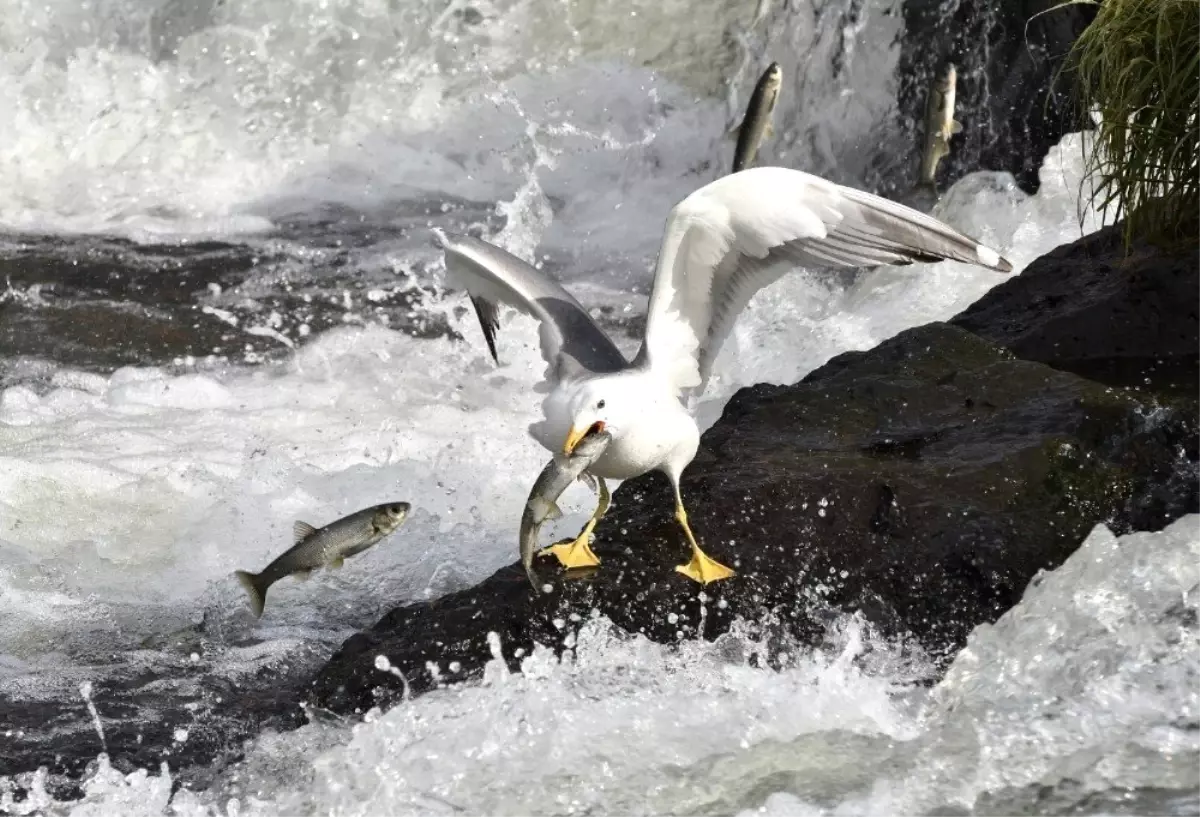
(98,303)
(1011,99)
(923,483)
(1088,308)
(142,705)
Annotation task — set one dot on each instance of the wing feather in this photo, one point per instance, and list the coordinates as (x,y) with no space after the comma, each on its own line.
(571,342)
(744,231)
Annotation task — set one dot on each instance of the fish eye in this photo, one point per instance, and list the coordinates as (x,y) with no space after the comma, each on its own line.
(600,405)
(396,509)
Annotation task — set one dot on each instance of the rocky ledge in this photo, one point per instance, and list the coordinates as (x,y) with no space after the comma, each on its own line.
(1089,308)
(98,303)
(923,483)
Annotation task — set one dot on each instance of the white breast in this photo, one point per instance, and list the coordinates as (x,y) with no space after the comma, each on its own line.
(656,439)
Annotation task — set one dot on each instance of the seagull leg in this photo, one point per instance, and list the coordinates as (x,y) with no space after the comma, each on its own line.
(701,568)
(577,552)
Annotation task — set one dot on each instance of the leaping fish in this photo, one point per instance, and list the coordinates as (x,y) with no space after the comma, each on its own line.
(756,125)
(940,125)
(329,546)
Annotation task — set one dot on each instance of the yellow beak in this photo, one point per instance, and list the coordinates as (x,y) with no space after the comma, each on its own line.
(578,434)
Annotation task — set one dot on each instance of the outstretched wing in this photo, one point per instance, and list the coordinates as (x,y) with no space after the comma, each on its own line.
(572,343)
(743,231)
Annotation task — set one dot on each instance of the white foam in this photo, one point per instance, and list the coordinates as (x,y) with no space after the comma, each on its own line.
(202,124)
(157,487)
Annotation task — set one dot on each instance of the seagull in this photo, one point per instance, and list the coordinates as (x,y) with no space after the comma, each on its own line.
(722,243)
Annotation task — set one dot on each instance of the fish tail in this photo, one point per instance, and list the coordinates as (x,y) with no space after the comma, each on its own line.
(533,577)
(923,196)
(256,589)
(927,176)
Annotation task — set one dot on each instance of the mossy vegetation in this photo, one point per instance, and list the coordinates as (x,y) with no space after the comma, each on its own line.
(1138,65)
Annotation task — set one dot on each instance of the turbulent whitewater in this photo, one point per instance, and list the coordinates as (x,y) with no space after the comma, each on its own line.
(128,497)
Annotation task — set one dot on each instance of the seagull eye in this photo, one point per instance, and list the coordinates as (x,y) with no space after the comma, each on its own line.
(600,405)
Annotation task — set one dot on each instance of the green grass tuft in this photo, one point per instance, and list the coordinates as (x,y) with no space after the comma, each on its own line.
(1138,64)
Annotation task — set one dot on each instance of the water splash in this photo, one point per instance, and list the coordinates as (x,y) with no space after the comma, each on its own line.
(1086,691)
(85,691)
(384,665)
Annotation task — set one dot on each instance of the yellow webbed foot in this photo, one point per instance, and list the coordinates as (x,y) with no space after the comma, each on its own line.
(574,552)
(703,569)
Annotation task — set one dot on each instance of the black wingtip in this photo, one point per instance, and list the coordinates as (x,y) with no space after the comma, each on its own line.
(489,321)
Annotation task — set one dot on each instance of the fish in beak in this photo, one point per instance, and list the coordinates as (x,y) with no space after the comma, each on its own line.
(577,434)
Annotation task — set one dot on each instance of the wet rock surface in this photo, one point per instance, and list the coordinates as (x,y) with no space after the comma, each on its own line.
(1087,307)
(923,483)
(98,303)
(191,710)
(103,303)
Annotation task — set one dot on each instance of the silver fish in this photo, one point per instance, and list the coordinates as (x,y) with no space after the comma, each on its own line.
(555,478)
(940,125)
(324,547)
(756,125)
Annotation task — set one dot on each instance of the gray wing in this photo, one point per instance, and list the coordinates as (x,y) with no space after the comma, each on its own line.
(571,342)
(736,235)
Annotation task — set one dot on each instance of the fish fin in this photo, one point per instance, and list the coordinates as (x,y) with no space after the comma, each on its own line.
(303,575)
(955,126)
(589,480)
(544,509)
(768,131)
(301,531)
(255,589)
(734,132)
(336,564)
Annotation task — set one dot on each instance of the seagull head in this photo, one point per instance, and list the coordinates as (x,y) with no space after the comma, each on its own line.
(599,404)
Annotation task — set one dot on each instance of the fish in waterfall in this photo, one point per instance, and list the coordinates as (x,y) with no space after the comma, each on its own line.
(940,125)
(756,125)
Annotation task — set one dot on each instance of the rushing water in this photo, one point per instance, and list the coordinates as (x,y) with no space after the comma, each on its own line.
(127,497)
